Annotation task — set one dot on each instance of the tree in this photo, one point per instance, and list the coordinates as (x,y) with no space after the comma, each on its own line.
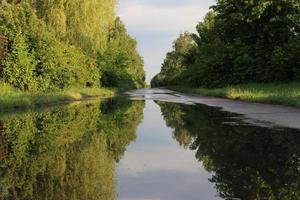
(174,63)
(72,43)
(19,65)
(241,42)
(120,64)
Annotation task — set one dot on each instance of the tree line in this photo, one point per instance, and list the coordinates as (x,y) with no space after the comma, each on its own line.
(66,43)
(238,42)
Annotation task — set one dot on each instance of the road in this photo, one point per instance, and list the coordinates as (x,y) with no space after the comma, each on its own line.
(257,113)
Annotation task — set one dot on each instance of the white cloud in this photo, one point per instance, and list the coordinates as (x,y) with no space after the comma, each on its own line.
(156,24)
(151,18)
(160,159)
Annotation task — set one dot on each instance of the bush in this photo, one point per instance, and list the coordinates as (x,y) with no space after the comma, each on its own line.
(19,65)
(54,46)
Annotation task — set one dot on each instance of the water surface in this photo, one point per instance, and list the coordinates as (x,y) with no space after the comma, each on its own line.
(144,150)
(156,166)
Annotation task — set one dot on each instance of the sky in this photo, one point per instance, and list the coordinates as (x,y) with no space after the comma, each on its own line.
(157,23)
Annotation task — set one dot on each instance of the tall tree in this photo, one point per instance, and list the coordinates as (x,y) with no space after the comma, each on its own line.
(244,41)
(121,64)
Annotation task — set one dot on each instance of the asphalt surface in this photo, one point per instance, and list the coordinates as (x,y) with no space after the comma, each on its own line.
(257,113)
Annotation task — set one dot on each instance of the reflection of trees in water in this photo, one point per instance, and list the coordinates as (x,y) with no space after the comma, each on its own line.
(247,162)
(3,146)
(67,153)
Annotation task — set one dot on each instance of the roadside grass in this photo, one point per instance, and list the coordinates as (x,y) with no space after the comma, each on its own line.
(11,98)
(271,93)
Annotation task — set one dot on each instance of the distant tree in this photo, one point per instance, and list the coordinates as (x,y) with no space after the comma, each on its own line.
(174,63)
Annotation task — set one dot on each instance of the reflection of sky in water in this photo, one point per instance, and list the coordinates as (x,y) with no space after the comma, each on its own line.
(156,168)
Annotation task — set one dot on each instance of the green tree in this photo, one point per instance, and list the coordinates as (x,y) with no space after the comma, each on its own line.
(120,64)
(240,42)
(174,63)
(19,65)
(64,39)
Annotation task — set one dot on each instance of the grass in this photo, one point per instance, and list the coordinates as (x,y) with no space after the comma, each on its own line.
(271,93)
(11,98)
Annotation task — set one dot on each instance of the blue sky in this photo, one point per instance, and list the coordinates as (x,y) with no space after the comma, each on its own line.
(157,23)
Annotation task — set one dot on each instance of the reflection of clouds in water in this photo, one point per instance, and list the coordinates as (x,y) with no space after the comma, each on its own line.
(155,167)
(155,149)
(163,158)
(166,185)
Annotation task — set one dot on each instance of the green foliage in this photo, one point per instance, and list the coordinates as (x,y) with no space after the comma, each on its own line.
(174,63)
(272,93)
(120,64)
(243,41)
(286,59)
(12,99)
(246,161)
(61,42)
(67,152)
(19,66)
(83,23)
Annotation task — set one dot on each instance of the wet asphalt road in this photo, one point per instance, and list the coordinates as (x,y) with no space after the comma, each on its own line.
(256,113)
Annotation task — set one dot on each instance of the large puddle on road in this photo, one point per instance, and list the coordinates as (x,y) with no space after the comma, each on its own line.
(143,149)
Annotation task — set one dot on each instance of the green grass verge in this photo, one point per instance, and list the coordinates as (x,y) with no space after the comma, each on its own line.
(272,93)
(11,98)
